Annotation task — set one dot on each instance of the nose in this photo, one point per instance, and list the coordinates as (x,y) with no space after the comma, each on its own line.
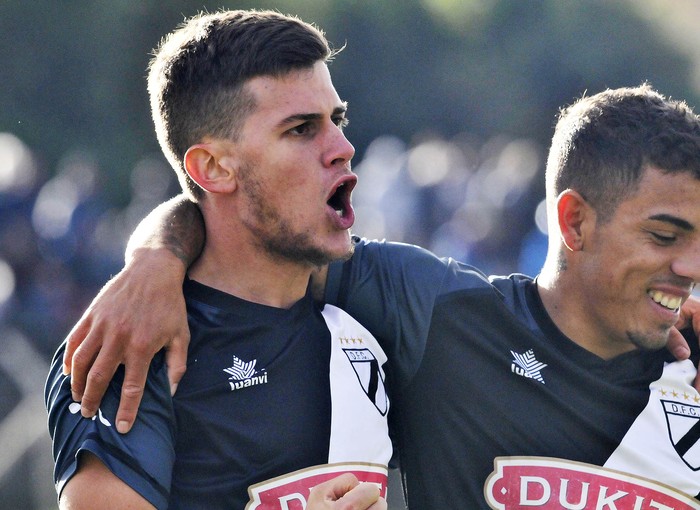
(687,264)
(340,151)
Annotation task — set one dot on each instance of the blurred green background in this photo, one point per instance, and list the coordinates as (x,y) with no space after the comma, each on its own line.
(452,104)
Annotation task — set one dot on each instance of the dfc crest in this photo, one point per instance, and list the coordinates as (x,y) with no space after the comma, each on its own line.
(684,428)
(366,368)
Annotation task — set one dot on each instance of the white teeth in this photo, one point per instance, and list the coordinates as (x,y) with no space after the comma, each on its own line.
(670,302)
(339,212)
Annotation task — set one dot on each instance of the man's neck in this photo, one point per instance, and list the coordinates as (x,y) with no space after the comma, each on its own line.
(568,312)
(249,273)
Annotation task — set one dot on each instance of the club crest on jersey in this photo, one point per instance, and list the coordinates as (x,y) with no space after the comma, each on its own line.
(366,368)
(683,422)
(243,374)
(526,365)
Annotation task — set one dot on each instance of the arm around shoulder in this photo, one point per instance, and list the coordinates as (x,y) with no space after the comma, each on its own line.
(176,225)
(139,312)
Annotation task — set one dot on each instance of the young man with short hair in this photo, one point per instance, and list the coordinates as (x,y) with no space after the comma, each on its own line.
(281,393)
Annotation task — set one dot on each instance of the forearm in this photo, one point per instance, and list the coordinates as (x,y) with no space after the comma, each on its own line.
(176,225)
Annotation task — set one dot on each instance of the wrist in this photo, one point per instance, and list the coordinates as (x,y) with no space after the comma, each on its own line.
(160,259)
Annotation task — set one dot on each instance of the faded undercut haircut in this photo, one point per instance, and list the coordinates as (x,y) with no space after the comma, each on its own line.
(603,143)
(197,75)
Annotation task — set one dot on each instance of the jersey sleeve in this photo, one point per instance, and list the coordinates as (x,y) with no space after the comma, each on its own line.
(142,458)
(390,288)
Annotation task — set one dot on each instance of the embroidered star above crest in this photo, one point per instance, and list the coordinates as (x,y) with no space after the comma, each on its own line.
(350,340)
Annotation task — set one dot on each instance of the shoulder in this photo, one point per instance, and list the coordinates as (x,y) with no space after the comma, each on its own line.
(142,459)
(411,265)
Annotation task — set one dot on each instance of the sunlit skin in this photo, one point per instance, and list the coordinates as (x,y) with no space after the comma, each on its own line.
(649,251)
(270,211)
(296,154)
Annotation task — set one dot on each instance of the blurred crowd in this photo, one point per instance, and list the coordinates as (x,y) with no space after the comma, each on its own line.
(61,240)
(480,202)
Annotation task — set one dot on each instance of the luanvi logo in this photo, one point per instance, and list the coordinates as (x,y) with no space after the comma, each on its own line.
(243,374)
(527,366)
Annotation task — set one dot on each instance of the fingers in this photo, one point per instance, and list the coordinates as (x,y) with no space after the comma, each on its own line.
(97,380)
(677,345)
(80,362)
(83,345)
(381,504)
(97,375)
(135,374)
(338,487)
(136,314)
(93,364)
(73,341)
(176,359)
(364,496)
(696,327)
(345,493)
(690,316)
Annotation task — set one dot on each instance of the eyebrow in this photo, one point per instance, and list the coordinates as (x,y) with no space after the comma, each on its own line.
(674,220)
(305,117)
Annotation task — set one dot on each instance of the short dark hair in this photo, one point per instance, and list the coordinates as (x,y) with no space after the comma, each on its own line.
(197,75)
(603,143)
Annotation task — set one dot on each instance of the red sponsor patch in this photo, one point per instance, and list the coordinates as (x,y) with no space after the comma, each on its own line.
(291,491)
(548,483)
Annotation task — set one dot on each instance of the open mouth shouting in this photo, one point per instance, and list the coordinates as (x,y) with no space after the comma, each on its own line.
(340,202)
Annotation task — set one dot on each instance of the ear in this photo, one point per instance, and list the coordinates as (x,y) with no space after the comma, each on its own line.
(212,167)
(573,212)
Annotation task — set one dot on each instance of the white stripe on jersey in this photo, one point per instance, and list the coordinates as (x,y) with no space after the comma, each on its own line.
(660,444)
(359,403)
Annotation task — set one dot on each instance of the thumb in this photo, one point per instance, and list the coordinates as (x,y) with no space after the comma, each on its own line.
(677,345)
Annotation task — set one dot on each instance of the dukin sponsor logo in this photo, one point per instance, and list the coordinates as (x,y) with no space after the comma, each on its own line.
(549,483)
(243,374)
